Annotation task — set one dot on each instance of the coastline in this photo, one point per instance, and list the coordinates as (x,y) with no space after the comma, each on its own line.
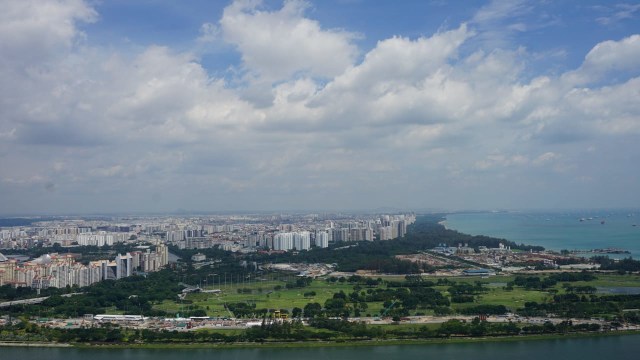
(319,344)
(554,230)
(444,223)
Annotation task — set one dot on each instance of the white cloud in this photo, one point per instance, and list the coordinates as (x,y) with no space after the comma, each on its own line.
(498,10)
(400,81)
(498,20)
(617,13)
(611,109)
(31,30)
(209,33)
(114,170)
(413,114)
(545,158)
(615,55)
(607,59)
(277,44)
(401,60)
(501,160)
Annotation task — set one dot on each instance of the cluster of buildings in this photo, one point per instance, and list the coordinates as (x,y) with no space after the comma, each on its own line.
(292,240)
(61,270)
(240,233)
(101,238)
(296,234)
(502,257)
(66,233)
(246,233)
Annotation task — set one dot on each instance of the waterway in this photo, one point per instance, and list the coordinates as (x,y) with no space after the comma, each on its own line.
(577,230)
(618,347)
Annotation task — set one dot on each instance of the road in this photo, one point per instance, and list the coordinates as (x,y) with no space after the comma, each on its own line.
(31,301)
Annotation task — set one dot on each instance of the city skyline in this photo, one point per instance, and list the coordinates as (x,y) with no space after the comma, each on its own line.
(339,105)
(251,234)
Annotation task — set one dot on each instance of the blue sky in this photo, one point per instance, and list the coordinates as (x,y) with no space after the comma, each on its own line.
(569,26)
(140,106)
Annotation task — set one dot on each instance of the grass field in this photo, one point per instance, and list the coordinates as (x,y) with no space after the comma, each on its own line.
(273,294)
(264,295)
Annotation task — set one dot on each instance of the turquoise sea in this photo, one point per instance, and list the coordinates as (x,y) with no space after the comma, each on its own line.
(557,230)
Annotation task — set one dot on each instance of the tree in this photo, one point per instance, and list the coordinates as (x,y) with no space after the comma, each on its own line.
(296,312)
(452,327)
(335,307)
(312,310)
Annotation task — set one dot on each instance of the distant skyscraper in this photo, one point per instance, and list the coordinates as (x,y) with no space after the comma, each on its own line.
(124,266)
(163,254)
(322,239)
(302,240)
(283,241)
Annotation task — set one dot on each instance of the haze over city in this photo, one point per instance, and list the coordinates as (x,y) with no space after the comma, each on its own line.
(154,106)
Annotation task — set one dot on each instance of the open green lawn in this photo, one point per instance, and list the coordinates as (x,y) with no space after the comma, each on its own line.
(113,311)
(511,299)
(264,295)
(614,280)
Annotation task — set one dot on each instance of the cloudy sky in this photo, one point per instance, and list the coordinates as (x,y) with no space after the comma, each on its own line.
(159,105)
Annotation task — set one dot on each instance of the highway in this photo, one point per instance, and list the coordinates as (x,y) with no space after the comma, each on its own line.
(31,301)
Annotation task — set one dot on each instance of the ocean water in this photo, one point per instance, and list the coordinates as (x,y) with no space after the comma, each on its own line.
(576,230)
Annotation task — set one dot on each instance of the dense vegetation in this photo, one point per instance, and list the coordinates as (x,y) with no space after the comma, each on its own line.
(10,293)
(576,301)
(622,265)
(131,295)
(572,305)
(320,329)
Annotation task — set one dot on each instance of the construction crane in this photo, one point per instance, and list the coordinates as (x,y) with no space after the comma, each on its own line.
(386,310)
